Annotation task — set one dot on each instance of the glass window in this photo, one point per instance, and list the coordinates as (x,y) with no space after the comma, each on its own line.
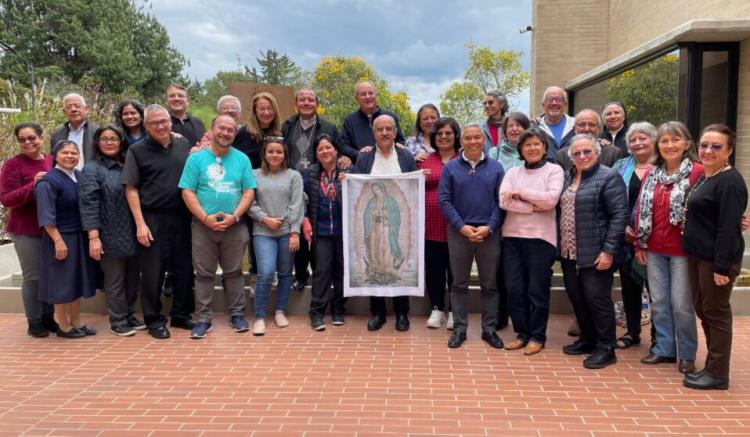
(649,92)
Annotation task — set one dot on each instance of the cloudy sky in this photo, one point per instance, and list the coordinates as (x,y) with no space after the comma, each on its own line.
(418,46)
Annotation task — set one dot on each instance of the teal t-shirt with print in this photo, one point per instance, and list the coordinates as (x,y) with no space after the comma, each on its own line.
(218,182)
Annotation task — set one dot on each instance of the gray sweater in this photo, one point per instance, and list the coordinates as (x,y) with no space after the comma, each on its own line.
(278,195)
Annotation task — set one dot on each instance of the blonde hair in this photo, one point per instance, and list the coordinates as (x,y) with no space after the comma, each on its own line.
(253,127)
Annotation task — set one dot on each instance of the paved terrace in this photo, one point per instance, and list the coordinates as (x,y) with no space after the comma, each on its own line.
(346,381)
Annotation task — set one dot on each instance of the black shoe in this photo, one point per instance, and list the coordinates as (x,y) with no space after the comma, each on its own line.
(578,347)
(182,324)
(652,358)
(300,285)
(686,366)
(136,324)
(122,330)
(695,375)
(86,330)
(457,339)
(159,333)
(317,324)
(37,330)
(375,323)
(600,359)
(337,320)
(493,340)
(73,333)
(402,322)
(706,382)
(48,320)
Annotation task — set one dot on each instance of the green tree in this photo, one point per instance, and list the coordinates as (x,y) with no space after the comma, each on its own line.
(112,43)
(276,69)
(649,92)
(462,101)
(334,79)
(496,70)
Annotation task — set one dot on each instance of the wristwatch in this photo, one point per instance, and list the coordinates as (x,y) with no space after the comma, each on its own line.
(236,218)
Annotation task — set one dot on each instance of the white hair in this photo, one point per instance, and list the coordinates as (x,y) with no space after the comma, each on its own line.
(228,97)
(554,88)
(362,82)
(590,138)
(385,117)
(74,96)
(152,109)
(470,125)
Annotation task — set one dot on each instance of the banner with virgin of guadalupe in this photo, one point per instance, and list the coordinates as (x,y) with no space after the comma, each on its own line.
(383,224)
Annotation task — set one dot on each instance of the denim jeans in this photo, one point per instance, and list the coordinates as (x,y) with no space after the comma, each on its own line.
(672,308)
(273,255)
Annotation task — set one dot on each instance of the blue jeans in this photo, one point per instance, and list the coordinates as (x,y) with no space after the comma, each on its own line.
(672,308)
(273,255)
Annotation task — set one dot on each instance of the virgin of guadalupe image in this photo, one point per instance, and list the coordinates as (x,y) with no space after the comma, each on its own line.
(382,219)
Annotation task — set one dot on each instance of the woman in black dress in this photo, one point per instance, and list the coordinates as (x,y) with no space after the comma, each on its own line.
(66,273)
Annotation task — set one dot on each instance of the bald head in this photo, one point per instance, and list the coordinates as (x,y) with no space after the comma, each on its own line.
(588,121)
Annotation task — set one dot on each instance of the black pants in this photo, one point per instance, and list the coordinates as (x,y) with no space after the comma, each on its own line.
(302,260)
(631,301)
(590,294)
(329,268)
(502,292)
(250,251)
(437,272)
(528,274)
(400,305)
(171,232)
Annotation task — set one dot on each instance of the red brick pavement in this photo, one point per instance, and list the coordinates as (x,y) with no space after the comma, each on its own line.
(346,381)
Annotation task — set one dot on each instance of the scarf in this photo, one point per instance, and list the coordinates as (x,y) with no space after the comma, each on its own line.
(680,181)
(328,184)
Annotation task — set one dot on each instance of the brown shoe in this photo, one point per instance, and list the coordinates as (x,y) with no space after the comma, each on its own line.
(533,348)
(515,345)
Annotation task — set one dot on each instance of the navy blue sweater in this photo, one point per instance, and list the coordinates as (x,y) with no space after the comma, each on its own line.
(471,197)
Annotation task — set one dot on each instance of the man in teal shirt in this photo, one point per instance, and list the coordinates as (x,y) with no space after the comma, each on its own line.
(218,187)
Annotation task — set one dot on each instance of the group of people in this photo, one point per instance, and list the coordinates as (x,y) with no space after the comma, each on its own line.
(115,207)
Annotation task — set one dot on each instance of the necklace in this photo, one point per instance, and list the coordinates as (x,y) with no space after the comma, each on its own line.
(701,180)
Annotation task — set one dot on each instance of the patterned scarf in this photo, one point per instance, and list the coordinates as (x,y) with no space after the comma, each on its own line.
(681,181)
(328,184)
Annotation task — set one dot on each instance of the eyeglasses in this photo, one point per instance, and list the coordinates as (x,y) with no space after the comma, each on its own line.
(582,153)
(488,102)
(109,140)
(29,139)
(384,129)
(445,134)
(164,122)
(715,147)
(555,100)
(273,139)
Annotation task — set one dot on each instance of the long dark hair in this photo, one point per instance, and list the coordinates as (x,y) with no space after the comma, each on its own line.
(441,123)
(138,106)
(97,155)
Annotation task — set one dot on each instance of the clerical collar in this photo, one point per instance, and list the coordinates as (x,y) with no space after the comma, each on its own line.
(307,124)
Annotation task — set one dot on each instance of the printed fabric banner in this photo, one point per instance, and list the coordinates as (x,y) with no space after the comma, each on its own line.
(383,234)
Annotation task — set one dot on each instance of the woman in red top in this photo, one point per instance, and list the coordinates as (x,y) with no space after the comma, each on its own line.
(444,136)
(659,216)
(17,180)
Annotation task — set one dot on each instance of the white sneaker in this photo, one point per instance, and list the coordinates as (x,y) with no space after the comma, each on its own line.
(280,319)
(437,318)
(449,325)
(259,327)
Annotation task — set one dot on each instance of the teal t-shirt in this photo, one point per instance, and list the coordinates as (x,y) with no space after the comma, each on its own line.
(218,182)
